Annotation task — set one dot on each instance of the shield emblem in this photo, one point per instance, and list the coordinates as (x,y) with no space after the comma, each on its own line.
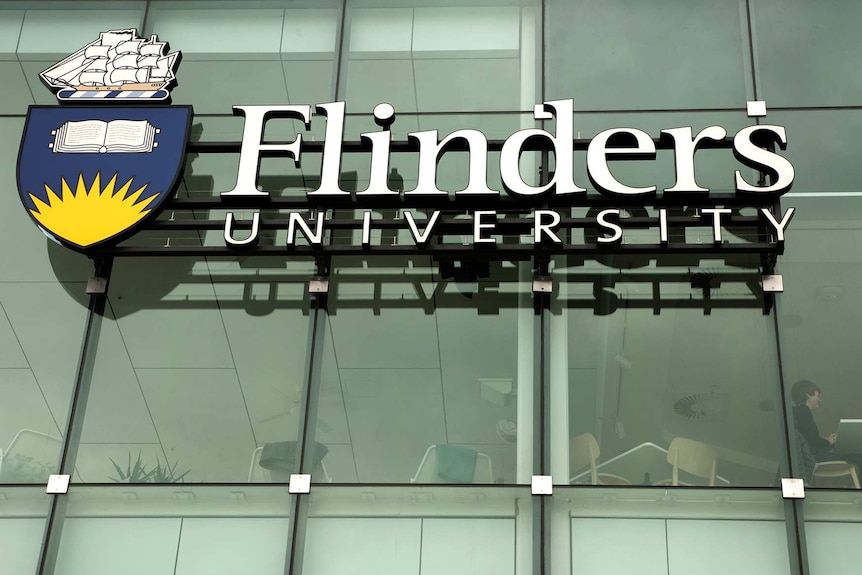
(88,176)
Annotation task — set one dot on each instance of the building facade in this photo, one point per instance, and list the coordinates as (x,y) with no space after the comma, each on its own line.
(514,405)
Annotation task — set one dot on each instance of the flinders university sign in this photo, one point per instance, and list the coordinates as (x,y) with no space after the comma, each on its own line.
(101,166)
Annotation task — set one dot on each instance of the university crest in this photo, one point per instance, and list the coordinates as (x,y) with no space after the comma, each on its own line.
(90,172)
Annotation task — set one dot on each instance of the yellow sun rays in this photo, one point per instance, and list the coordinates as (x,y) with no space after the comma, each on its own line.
(91,214)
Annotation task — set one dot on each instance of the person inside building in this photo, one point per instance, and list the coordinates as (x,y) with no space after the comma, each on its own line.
(806,398)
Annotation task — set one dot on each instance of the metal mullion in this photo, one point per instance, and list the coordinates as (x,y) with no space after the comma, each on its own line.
(789,463)
(75,419)
(542,396)
(540,463)
(543,503)
(144,17)
(339,50)
(306,437)
(797,547)
(793,514)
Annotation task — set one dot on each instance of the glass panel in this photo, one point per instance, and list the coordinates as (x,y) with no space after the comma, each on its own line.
(662,54)
(51,31)
(668,371)
(819,320)
(394,530)
(822,148)
(833,527)
(819,312)
(256,53)
(42,318)
(199,373)
(805,52)
(677,532)
(423,57)
(15,94)
(22,525)
(185,531)
(427,372)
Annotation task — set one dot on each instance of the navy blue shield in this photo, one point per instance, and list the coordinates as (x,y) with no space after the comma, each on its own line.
(88,176)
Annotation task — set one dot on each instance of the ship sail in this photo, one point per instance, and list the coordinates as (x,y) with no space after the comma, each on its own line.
(163,68)
(116,36)
(153,49)
(126,61)
(97,51)
(98,65)
(127,76)
(118,60)
(129,47)
(148,61)
(92,78)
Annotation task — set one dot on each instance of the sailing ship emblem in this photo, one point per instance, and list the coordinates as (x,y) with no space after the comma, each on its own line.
(89,175)
(119,65)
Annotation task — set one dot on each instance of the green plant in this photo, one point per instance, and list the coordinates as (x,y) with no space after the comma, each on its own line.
(139,472)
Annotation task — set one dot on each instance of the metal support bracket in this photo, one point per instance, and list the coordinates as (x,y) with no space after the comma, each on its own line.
(773,284)
(97,285)
(542,485)
(58,484)
(542,284)
(792,488)
(299,483)
(318,284)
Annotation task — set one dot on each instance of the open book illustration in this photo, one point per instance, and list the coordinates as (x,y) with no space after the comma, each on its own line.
(96,136)
(118,60)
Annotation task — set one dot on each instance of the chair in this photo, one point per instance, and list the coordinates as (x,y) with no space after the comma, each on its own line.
(832,470)
(691,457)
(583,451)
(258,474)
(483,472)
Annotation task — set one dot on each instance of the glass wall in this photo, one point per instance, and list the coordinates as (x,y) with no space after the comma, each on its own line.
(199,374)
(816,320)
(669,375)
(658,55)
(426,373)
(666,395)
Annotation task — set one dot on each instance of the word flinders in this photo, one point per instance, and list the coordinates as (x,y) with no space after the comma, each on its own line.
(752,146)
